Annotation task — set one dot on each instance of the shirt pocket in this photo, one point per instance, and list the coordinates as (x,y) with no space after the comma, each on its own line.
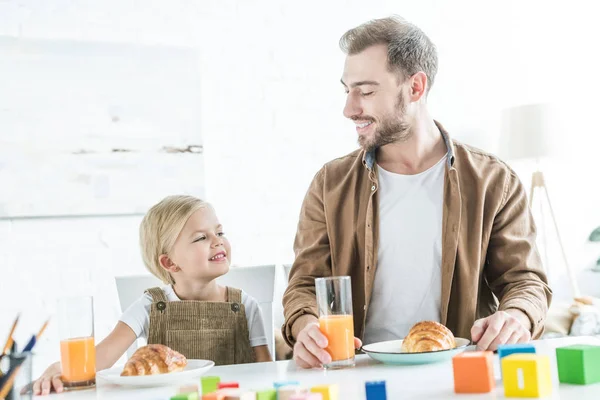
(217,345)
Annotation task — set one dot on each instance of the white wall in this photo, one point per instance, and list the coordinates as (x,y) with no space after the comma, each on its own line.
(92,133)
(270,115)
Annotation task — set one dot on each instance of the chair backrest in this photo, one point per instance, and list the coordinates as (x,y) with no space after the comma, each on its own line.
(257,281)
(287,268)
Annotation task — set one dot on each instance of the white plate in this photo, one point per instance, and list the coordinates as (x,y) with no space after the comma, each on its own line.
(193,370)
(389,353)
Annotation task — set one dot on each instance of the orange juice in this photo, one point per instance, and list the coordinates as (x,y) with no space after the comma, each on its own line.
(339,330)
(78,359)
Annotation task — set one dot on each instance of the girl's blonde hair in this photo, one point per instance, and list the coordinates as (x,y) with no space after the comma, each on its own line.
(160,228)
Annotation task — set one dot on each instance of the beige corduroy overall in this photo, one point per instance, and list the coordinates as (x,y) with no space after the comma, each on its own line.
(216,331)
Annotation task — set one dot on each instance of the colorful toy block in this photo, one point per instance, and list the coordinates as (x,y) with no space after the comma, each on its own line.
(526,375)
(277,385)
(230,394)
(520,348)
(188,389)
(375,390)
(473,372)
(286,392)
(209,384)
(328,392)
(186,396)
(307,396)
(269,394)
(578,364)
(236,394)
(228,385)
(213,396)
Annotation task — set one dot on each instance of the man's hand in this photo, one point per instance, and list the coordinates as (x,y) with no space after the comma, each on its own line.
(309,350)
(503,327)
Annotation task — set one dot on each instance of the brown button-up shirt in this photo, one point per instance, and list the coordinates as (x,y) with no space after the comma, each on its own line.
(489,257)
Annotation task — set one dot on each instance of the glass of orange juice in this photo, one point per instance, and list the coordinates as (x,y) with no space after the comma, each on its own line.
(77,346)
(334,301)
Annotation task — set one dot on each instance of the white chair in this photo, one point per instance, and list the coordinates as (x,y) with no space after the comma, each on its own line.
(257,281)
(287,268)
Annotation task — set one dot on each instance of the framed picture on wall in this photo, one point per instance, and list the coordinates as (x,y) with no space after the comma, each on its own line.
(96,128)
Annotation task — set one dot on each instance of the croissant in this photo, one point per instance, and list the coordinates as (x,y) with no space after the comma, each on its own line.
(154,359)
(428,336)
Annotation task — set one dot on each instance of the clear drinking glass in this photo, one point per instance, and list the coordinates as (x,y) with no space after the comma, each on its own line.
(334,301)
(77,346)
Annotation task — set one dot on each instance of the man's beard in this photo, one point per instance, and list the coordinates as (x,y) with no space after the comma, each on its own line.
(391,129)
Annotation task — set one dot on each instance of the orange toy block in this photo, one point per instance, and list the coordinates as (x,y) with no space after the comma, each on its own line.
(473,372)
(213,396)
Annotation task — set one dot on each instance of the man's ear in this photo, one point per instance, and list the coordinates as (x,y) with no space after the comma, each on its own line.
(418,86)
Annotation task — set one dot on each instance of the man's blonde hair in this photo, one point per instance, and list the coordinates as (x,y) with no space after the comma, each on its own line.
(409,49)
(160,228)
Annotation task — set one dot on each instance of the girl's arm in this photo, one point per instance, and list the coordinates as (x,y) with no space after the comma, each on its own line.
(113,346)
(108,352)
(261,353)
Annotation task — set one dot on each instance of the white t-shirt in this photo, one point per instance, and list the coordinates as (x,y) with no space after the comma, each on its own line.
(408,285)
(137,316)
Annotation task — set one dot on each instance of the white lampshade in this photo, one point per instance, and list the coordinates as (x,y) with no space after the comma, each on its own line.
(527,132)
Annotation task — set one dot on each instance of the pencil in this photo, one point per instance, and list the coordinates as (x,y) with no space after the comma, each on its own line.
(10,340)
(10,380)
(42,329)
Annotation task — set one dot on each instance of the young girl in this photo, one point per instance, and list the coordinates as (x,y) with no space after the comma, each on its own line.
(183,244)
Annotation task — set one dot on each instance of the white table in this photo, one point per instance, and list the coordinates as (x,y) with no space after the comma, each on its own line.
(432,381)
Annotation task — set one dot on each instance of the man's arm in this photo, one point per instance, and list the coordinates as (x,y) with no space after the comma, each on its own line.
(313,260)
(514,271)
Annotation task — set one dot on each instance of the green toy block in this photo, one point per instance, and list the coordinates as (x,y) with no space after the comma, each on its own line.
(269,394)
(579,364)
(209,384)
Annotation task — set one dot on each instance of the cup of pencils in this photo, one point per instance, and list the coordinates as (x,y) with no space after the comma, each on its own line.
(16,366)
(16,373)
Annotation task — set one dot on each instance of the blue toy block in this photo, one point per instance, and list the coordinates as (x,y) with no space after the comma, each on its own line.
(375,390)
(521,348)
(279,384)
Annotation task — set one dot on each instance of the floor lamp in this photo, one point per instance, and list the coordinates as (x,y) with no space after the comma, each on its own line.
(526,134)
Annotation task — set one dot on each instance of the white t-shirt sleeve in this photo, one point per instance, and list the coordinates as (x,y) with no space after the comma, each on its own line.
(137,316)
(256,326)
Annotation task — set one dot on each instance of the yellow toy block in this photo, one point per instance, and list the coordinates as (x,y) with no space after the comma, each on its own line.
(328,392)
(526,375)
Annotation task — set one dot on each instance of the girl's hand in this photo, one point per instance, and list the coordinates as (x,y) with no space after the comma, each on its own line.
(49,380)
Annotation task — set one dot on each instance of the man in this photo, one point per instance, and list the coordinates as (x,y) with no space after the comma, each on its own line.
(426,227)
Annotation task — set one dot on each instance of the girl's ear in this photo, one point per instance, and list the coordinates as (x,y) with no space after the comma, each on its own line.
(167,263)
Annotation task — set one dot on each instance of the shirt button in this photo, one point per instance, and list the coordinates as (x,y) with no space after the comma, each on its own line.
(235,307)
(365,308)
